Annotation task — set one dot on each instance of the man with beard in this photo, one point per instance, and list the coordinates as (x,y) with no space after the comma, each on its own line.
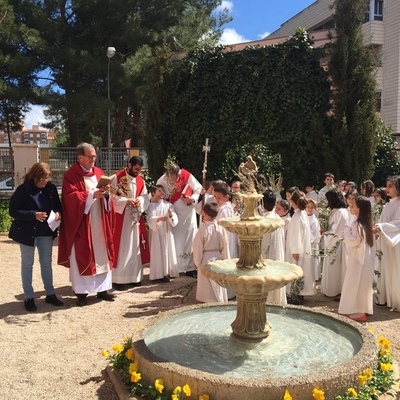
(131,200)
(183,191)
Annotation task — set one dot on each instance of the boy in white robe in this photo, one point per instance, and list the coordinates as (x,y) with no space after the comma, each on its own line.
(311,210)
(209,244)
(273,245)
(161,219)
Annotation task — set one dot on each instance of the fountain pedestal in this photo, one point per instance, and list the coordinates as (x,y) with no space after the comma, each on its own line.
(251,277)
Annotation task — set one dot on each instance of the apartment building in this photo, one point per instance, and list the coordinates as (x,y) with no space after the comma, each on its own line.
(381,30)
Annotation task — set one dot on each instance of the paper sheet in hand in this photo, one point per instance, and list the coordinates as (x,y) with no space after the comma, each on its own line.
(53,224)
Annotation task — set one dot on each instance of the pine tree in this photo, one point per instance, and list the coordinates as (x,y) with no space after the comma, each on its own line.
(352,66)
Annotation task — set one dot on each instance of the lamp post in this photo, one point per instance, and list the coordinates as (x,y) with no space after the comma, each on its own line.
(110,54)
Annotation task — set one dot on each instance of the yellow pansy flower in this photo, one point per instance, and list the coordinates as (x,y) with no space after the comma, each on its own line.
(134,367)
(117,348)
(362,380)
(368,373)
(386,367)
(177,390)
(187,391)
(130,354)
(318,394)
(352,392)
(204,397)
(136,376)
(159,385)
(287,395)
(174,397)
(105,353)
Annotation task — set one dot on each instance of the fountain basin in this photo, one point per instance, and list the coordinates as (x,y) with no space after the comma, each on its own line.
(226,373)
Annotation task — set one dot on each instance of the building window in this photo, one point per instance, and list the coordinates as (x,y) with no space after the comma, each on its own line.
(43,141)
(378,10)
(31,135)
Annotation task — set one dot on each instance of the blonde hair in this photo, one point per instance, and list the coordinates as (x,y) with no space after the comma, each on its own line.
(38,170)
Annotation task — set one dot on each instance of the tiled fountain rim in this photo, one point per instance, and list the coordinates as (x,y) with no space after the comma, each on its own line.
(333,380)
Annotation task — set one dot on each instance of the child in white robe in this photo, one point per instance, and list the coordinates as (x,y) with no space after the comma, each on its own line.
(209,244)
(311,210)
(334,264)
(357,293)
(388,229)
(161,218)
(298,243)
(273,245)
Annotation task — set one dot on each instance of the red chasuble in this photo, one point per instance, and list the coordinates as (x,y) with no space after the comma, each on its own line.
(180,184)
(143,240)
(74,229)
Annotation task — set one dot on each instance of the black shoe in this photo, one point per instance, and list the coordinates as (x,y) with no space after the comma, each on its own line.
(81,299)
(381,304)
(119,286)
(192,274)
(136,284)
(337,298)
(165,279)
(30,305)
(52,299)
(105,296)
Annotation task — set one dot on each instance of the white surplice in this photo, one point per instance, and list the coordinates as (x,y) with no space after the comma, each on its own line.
(273,248)
(389,244)
(101,281)
(226,211)
(357,292)
(334,265)
(298,241)
(186,227)
(209,244)
(315,229)
(129,266)
(163,260)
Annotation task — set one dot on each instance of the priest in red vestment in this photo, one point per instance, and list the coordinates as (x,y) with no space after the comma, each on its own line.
(86,233)
(130,236)
(183,191)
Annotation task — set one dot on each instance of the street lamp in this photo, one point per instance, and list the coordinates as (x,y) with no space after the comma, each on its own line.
(110,54)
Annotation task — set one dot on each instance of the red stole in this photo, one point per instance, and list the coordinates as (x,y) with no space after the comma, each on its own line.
(119,218)
(183,178)
(74,229)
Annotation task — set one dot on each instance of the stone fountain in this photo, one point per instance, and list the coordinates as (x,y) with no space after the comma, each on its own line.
(252,359)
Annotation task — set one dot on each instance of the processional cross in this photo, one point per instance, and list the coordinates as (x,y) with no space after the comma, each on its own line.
(206,150)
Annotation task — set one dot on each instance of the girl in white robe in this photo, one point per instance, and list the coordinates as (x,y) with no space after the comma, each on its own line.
(209,244)
(388,229)
(161,219)
(334,265)
(298,242)
(357,293)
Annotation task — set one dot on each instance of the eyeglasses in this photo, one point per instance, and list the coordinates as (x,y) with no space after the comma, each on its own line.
(45,179)
(89,157)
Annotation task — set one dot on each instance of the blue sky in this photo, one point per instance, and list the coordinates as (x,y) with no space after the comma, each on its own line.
(252,20)
(255,19)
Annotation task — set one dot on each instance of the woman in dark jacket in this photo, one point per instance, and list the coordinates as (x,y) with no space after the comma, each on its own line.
(30,207)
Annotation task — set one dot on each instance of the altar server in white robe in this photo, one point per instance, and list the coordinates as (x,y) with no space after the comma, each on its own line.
(334,264)
(273,244)
(357,293)
(298,242)
(388,229)
(209,244)
(315,228)
(161,219)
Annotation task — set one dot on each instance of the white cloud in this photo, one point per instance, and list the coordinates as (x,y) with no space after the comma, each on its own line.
(230,36)
(34,117)
(264,35)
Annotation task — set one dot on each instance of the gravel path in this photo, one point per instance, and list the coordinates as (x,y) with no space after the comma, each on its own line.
(54,353)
